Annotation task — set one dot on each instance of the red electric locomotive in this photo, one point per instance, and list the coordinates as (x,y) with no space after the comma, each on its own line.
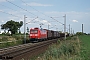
(37,34)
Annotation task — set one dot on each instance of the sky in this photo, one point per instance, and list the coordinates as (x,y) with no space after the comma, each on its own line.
(48,13)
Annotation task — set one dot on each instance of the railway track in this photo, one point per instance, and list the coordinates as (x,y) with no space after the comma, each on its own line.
(30,49)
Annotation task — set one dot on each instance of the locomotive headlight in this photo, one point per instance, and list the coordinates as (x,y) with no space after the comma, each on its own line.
(30,34)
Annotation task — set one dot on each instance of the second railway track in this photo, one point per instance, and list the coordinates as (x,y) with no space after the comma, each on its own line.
(24,51)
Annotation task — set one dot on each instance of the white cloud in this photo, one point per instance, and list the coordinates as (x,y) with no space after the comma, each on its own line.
(37,4)
(45,22)
(74,21)
(38,21)
(1,10)
(2,21)
(80,16)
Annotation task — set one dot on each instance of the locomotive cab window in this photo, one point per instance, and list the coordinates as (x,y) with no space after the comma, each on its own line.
(34,31)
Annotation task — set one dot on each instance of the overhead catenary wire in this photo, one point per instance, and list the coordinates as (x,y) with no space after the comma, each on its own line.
(41,12)
(56,20)
(10,14)
(32,20)
(13,14)
(32,13)
(34,8)
(20,7)
(7,7)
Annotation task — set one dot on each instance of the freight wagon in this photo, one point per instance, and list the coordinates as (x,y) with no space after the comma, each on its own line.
(37,34)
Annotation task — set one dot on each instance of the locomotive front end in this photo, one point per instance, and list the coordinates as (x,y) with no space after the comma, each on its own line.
(34,35)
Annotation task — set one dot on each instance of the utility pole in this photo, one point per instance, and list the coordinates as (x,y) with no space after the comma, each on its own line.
(65,25)
(71,31)
(41,25)
(82,28)
(69,28)
(48,26)
(24,29)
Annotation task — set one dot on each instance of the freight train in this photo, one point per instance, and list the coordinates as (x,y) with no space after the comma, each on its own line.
(37,34)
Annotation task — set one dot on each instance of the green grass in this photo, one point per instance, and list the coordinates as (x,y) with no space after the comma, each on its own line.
(8,44)
(62,50)
(85,47)
(71,49)
(15,40)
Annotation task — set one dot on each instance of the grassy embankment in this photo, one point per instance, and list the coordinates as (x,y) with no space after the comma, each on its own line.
(7,41)
(76,48)
(62,50)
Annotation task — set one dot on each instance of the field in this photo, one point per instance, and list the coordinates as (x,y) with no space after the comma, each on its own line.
(74,48)
(85,47)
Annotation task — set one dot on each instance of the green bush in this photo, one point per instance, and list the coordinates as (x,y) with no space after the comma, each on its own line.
(63,50)
(68,38)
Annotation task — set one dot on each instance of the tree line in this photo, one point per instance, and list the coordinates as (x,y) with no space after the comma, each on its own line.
(12,26)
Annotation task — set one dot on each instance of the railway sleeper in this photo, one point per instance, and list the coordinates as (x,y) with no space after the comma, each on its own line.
(6,57)
(25,51)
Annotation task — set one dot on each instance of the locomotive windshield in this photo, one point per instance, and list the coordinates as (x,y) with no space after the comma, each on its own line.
(34,31)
